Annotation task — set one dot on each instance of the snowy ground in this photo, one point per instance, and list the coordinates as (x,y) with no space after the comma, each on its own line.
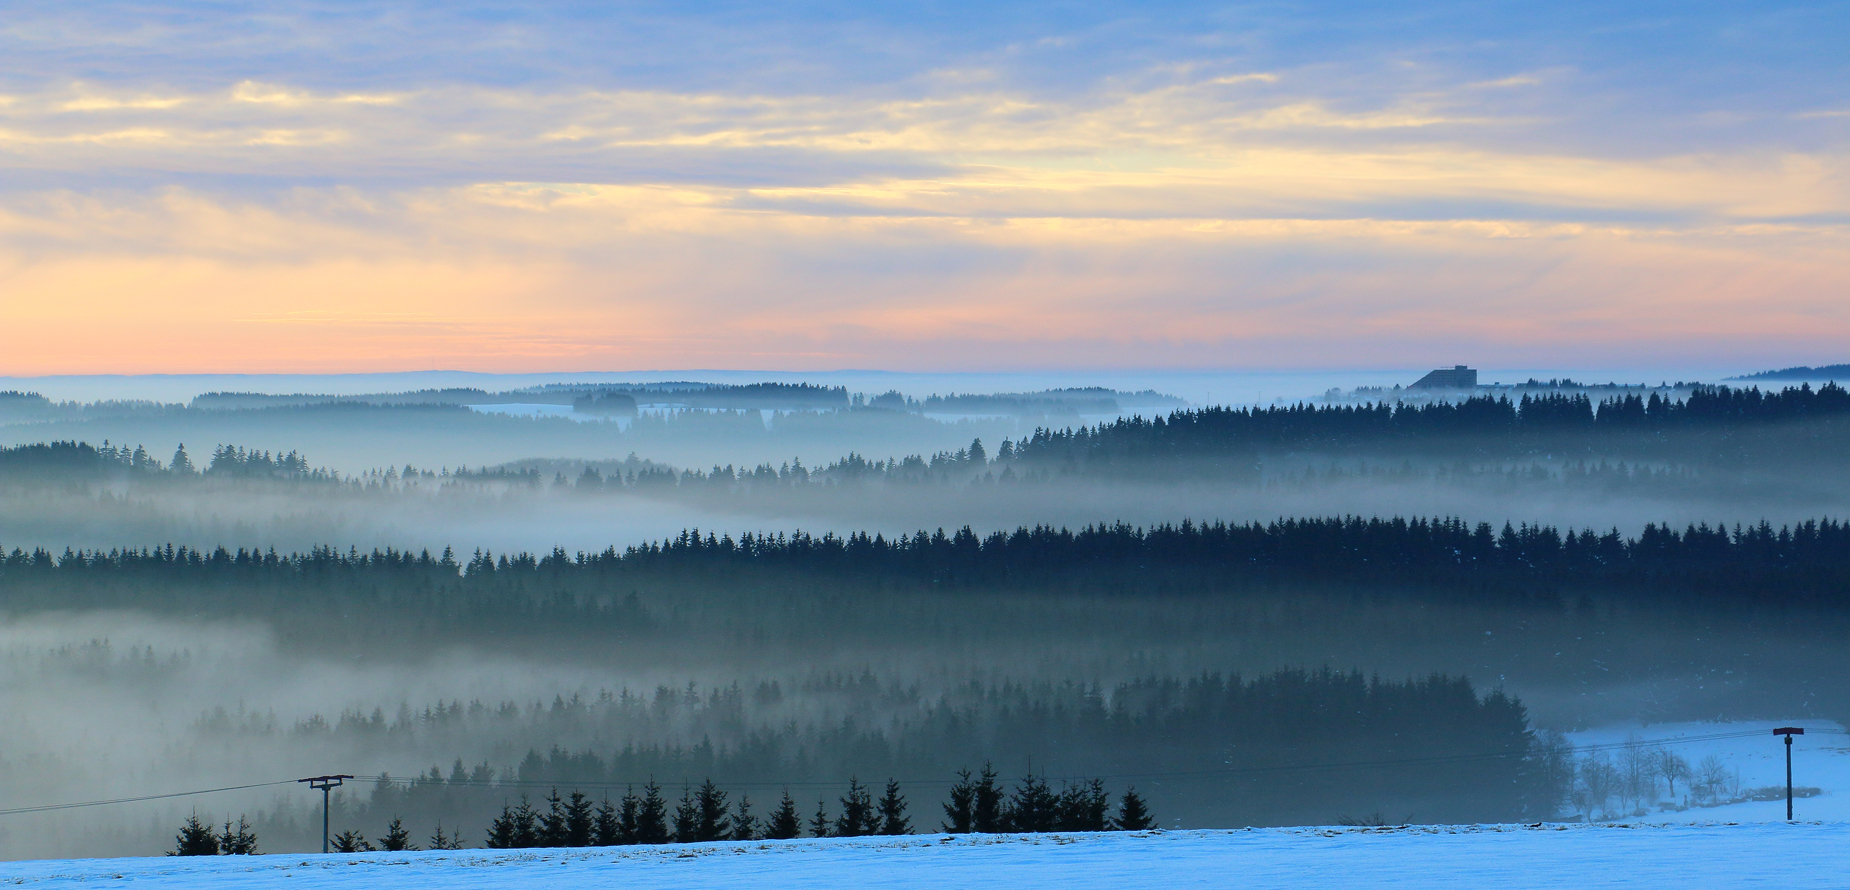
(1802,855)
(1737,845)
(1820,759)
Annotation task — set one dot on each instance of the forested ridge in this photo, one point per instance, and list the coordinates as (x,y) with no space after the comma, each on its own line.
(1713,425)
(1245,670)
(81,459)
(1221,749)
(1803,565)
(1479,420)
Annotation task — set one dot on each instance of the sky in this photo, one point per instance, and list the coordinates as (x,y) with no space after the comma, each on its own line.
(323,187)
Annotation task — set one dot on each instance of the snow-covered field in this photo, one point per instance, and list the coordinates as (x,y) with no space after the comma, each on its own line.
(1820,759)
(1735,845)
(1802,855)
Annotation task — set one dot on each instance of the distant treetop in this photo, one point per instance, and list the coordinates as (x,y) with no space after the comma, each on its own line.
(1802,372)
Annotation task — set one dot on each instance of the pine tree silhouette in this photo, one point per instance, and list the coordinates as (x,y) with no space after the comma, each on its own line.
(784,822)
(1033,807)
(439,841)
(686,818)
(237,840)
(1132,814)
(858,816)
(958,813)
(986,812)
(552,831)
(396,837)
(892,811)
(744,824)
(819,825)
(580,820)
(351,841)
(516,828)
(606,826)
(195,839)
(629,818)
(652,816)
(711,822)
(1085,807)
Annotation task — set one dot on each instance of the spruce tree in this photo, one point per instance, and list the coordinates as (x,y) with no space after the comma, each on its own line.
(351,841)
(195,839)
(652,816)
(239,840)
(501,830)
(1085,807)
(784,822)
(819,825)
(526,824)
(958,815)
(858,816)
(744,824)
(686,818)
(711,822)
(892,811)
(439,841)
(1132,814)
(516,827)
(629,815)
(986,814)
(606,828)
(396,837)
(1033,807)
(552,822)
(580,820)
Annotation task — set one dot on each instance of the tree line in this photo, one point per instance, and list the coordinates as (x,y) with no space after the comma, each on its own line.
(703,814)
(1282,747)
(81,459)
(197,838)
(978,804)
(1640,778)
(1224,441)
(1803,564)
(1222,434)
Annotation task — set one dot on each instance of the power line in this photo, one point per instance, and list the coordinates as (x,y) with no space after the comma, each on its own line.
(324,784)
(99,803)
(1439,760)
(1229,772)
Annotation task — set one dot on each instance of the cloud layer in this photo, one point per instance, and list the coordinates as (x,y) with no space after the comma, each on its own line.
(911,196)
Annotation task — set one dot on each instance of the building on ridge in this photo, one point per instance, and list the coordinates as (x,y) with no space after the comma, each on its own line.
(1455,377)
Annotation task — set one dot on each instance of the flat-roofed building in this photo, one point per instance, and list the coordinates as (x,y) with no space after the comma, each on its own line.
(1455,377)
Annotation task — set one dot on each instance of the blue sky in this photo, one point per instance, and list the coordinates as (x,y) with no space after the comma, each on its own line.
(926,186)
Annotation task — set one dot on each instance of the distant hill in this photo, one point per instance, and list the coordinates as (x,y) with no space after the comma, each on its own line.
(1824,372)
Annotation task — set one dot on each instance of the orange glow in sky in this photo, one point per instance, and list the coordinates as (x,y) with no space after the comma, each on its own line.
(1231,210)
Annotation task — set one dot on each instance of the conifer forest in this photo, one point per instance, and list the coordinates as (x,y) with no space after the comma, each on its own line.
(655,613)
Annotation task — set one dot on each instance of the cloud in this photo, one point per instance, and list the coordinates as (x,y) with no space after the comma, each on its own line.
(104,103)
(1194,115)
(1518,80)
(352,187)
(1205,147)
(272,94)
(532,277)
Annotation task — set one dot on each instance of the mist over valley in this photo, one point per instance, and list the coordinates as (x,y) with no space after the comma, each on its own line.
(1216,607)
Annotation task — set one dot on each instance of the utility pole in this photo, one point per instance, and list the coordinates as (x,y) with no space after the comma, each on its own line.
(1789,732)
(326,783)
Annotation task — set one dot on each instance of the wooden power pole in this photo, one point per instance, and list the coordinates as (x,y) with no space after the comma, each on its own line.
(324,784)
(1789,732)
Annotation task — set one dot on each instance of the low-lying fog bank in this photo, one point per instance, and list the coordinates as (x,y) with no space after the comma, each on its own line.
(791,660)
(538,517)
